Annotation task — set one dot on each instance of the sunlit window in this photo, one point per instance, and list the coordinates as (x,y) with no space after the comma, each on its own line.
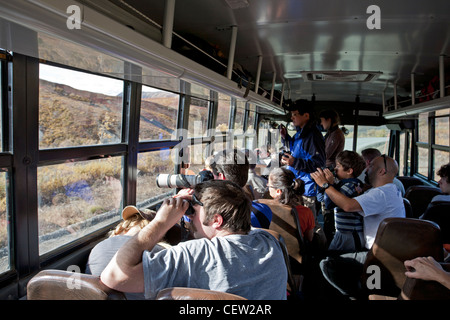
(150,165)
(159,110)
(77,198)
(90,105)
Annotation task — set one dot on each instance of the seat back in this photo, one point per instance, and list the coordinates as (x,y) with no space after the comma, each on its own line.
(418,289)
(408,208)
(64,285)
(420,197)
(294,282)
(439,213)
(283,222)
(397,240)
(410,181)
(178,293)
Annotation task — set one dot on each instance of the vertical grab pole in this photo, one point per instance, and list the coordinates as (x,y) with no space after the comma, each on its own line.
(258,73)
(169,13)
(413,90)
(232,51)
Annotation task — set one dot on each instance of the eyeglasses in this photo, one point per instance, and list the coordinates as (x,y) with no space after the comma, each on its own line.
(385,165)
(269,186)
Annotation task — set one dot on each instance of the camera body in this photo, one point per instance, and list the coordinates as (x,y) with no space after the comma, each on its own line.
(331,169)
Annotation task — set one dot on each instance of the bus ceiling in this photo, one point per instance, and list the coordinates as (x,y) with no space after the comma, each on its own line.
(338,51)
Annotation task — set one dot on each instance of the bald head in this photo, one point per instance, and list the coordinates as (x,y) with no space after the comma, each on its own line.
(382,170)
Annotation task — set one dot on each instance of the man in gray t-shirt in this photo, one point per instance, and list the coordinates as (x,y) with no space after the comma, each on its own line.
(225,256)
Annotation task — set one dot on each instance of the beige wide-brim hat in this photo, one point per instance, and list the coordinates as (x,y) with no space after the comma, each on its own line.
(129,211)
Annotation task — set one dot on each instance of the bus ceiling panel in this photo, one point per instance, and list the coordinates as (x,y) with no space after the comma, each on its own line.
(110,37)
(302,35)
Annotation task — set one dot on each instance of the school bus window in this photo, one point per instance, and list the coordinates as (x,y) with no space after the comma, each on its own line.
(368,137)
(90,105)
(149,165)
(159,110)
(423,125)
(442,130)
(4,225)
(239,119)
(223,114)
(77,198)
(198,117)
(251,120)
(422,166)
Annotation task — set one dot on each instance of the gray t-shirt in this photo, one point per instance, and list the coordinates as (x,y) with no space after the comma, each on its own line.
(251,266)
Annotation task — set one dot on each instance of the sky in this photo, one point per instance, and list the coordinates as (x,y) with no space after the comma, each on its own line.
(83,81)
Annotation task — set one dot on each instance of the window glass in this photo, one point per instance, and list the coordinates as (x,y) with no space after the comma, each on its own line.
(223,113)
(90,105)
(368,137)
(442,131)
(159,110)
(440,158)
(149,165)
(4,225)
(239,119)
(198,117)
(77,198)
(422,166)
(423,125)
(251,120)
(401,163)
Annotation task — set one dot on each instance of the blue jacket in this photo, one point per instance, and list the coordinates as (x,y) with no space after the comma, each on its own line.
(308,149)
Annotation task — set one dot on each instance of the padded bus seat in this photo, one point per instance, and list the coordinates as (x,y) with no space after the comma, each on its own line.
(439,213)
(284,223)
(64,285)
(420,197)
(408,208)
(418,289)
(410,181)
(178,293)
(397,240)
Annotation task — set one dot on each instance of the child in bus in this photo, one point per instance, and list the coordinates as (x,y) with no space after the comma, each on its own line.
(349,234)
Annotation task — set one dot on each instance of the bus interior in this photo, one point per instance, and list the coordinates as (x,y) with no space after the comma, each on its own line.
(96,95)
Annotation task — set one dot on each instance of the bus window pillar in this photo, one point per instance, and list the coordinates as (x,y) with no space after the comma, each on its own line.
(169,12)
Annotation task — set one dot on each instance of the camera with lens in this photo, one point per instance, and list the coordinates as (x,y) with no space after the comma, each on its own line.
(182,181)
(329,168)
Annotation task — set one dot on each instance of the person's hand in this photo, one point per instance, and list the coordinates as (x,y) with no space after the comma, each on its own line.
(185,193)
(319,177)
(329,175)
(287,159)
(423,268)
(171,210)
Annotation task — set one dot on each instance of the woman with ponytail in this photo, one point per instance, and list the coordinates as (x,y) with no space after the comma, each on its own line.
(287,191)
